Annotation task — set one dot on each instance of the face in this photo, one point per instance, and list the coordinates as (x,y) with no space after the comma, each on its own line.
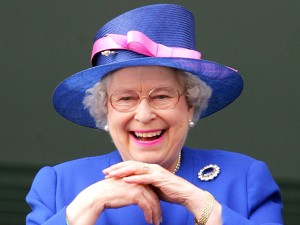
(147,134)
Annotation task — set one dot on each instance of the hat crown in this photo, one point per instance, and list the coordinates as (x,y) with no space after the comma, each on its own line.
(167,24)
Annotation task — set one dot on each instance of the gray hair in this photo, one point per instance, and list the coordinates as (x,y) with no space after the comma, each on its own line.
(196,91)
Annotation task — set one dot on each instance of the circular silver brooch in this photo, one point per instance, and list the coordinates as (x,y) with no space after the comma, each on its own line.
(209,172)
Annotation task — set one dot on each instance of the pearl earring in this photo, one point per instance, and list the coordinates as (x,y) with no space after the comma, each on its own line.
(191,124)
(106,128)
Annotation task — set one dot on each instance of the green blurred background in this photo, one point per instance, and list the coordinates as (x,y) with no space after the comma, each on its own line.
(43,42)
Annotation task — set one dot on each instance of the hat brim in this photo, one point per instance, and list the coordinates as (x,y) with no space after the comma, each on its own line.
(225,82)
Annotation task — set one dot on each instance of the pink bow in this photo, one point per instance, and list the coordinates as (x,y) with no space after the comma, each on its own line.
(138,42)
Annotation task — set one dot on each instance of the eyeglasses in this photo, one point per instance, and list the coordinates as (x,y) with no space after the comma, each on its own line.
(158,98)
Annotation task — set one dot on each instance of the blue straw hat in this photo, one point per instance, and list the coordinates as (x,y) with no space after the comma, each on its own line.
(154,35)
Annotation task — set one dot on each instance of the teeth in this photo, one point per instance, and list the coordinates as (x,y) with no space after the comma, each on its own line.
(148,134)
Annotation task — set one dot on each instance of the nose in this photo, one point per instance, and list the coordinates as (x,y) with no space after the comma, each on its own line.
(144,112)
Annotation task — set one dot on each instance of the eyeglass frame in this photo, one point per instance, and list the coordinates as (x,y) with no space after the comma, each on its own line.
(141,97)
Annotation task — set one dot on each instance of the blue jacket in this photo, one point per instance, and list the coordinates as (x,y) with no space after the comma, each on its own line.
(244,187)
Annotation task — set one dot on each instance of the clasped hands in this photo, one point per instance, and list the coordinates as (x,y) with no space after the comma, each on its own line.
(132,182)
(153,183)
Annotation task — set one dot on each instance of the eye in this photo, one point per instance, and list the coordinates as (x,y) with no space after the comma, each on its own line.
(160,96)
(124,96)
(163,94)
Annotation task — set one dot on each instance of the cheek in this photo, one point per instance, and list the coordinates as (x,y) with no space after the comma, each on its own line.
(178,124)
(117,124)
(114,118)
(183,114)
(180,118)
(177,135)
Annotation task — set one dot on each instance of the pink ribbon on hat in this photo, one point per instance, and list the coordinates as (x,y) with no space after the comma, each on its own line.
(138,42)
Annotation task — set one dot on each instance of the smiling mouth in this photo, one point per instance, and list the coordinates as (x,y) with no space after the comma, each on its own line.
(147,136)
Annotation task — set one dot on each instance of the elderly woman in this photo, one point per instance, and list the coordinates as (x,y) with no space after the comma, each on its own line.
(147,87)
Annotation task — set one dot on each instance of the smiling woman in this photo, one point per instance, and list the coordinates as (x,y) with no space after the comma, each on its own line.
(148,86)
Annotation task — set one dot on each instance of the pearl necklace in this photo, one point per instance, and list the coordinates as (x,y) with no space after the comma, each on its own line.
(178,164)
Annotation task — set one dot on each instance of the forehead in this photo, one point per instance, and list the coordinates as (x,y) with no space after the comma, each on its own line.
(143,78)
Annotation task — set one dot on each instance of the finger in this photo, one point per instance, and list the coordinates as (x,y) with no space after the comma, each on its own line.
(138,179)
(120,193)
(132,168)
(166,186)
(116,167)
(146,208)
(152,205)
(156,209)
(155,177)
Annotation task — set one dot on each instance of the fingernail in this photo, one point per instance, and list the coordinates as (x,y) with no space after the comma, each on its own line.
(106,177)
(158,221)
